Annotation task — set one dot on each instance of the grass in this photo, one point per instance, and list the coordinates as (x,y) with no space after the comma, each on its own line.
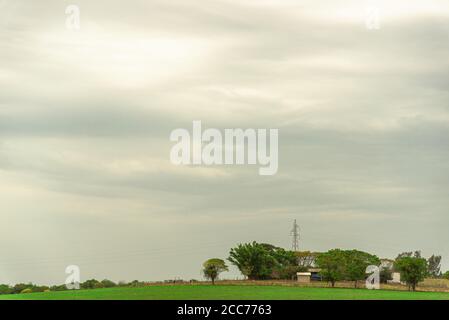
(228,292)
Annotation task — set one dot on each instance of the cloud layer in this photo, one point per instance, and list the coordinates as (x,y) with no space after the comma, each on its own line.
(85,119)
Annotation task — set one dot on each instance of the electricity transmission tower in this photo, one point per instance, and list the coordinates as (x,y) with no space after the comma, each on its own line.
(295,236)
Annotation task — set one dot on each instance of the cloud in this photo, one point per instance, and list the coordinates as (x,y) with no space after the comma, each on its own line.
(85,119)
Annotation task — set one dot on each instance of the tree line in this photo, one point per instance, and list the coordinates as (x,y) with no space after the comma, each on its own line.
(262,261)
(88,284)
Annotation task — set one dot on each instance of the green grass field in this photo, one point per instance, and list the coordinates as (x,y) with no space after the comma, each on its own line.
(228,292)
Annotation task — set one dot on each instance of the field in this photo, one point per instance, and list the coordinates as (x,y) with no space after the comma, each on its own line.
(229,292)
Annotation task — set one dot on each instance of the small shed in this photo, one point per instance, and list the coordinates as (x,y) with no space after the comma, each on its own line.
(303,277)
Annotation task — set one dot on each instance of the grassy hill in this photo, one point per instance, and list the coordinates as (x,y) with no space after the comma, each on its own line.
(224,292)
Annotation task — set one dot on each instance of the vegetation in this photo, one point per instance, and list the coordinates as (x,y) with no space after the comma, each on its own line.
(22,288)
(356,263)
(413,270)
(258,261)
(434,266)
(228,292)
(213,267)
(306,259)
(332,264)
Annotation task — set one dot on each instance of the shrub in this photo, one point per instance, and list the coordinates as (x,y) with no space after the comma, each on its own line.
(28,290)
(91,284)
(108,283)
(18,288)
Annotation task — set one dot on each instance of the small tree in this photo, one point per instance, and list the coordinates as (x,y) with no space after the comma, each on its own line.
(413,270)
(434,266)
(356,263)
(213,267)
(332,264)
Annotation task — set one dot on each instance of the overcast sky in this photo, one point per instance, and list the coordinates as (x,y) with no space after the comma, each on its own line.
(85,120)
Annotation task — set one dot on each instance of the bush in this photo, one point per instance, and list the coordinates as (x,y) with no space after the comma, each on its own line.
(446,275)
(122,283)
(91,284)
(18,288)
(39,288)
(108,283)
(61,287)
(28,290)
(136,284)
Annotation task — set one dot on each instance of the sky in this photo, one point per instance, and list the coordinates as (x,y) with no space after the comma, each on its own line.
(86,116)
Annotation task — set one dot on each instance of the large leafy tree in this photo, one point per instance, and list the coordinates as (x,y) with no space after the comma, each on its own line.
(286,264)
(213,267)
(332,264)
(413,270)
(356,263)
(262,261)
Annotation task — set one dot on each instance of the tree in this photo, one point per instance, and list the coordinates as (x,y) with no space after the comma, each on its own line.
(413,270)
(264,261)
(18,288)
(287,272)
(213,267)
(434,266)
(254,260)
(332,264)
(356,263)
(416,254)
(385,275)
(286,265)
(91,284)
(5,289)
(306,258)
(446,275)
